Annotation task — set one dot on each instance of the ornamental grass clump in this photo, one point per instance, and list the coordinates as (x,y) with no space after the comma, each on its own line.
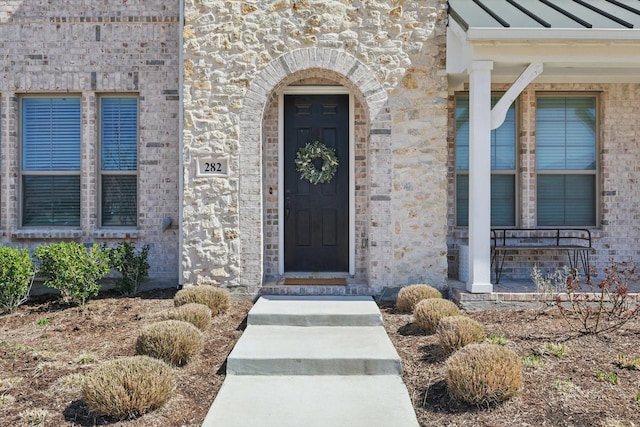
(428,312)
(455,332)
(173,341)
(217,299)
(128,387)
(410,295)
(483,374)
(199,315)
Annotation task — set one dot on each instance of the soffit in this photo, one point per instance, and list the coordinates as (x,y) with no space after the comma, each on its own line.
(576,40)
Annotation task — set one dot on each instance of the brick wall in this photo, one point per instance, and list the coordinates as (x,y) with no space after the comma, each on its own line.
(87,49)
(616,235)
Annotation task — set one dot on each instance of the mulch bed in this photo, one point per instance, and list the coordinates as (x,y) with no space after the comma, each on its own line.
(45,343)
(563,391)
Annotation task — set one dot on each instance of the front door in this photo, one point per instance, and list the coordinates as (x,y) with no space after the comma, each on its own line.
(316,216)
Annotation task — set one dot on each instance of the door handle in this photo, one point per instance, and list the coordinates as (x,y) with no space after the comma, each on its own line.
(287,207)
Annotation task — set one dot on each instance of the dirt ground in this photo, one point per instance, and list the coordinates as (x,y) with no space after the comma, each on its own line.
(45,347)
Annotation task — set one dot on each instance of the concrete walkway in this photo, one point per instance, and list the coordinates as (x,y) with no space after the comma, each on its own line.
(313,361)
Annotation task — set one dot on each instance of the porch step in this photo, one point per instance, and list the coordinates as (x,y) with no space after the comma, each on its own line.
(313,362)
(314,350)
(315,311)
(312,401)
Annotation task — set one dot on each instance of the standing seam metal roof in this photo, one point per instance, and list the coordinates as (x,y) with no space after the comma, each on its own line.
(609,14)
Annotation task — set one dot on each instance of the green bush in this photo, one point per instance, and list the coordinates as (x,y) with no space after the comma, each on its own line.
(131,264)
(173,341)
(428,312)
(128,387)
(217,299)
(16,277)
(483,374)
(410,295)
(73,269)
(455,332)
(199,315)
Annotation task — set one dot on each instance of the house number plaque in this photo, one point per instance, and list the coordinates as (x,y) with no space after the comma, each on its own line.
(212,166)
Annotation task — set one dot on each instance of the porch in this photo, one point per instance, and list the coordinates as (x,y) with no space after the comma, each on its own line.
(508,294)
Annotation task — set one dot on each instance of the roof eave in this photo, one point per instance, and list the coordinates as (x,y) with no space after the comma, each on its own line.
(477,34)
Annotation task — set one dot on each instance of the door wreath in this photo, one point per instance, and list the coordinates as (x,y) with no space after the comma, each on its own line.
(316,150)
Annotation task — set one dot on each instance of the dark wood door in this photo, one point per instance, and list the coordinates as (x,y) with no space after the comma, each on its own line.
(316,225)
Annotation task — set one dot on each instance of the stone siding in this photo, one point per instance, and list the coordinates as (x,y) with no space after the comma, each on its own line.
(616,236)
(87,49)
(239,56)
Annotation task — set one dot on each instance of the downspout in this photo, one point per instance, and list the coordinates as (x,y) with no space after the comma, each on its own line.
(180,142)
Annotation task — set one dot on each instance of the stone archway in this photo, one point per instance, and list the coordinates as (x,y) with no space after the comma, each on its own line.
(279,73)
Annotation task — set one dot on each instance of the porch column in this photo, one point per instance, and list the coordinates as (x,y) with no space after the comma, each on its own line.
(480,177)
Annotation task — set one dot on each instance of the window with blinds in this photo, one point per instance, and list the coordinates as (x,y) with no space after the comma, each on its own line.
(50,172)
(119,161)
(503,167)
(566,160)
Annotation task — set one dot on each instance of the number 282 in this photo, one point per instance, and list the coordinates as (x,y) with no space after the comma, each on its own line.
(213,167)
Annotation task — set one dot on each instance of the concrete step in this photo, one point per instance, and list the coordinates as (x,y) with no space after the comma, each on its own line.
(312,401)
(315,311)
(314,350)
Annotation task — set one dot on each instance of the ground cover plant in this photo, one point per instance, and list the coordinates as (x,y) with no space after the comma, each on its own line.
(42,365)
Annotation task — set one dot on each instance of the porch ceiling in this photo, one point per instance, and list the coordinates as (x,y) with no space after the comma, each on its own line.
(594,41)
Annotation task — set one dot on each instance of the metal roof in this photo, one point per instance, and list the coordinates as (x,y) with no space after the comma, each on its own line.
(540,14)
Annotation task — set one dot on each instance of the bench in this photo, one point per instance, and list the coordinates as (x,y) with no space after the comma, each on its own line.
(575,241)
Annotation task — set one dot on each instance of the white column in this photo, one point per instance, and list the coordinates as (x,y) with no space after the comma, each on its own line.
(480,177)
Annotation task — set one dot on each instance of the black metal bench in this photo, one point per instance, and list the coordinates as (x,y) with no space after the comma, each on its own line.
(575,241)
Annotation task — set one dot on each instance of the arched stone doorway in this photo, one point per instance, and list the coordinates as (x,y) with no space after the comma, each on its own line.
(259,153)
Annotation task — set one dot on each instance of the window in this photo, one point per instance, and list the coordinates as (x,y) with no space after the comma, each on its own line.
(566,160)
(503,167)
(119,161)
(50,162)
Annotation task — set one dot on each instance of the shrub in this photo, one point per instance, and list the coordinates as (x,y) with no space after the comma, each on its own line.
(128,387)
(409,296)
(173,341)
(454,332)
(217,299)
(428,312)
(16,277)
(131,264)
(594,309)
(199,315)
(483,374)
(73,270)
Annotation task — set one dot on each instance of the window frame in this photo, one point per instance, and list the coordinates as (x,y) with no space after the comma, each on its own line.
(101,173)
(510,172)
(23,173)
(595,172)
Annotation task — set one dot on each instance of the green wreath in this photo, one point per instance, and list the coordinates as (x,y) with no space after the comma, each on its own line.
(306,168)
